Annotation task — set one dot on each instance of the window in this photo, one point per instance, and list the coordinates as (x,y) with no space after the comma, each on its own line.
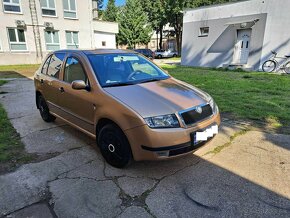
(12,6)
(69,9)
(72,39)
(204,31)
(74,71)
(51,40)
(104,43)
(55,64)
(48,7)
(17,39)
(45,66)
(117,69)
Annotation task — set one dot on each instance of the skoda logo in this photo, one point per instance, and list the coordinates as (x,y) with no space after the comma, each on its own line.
(198,110)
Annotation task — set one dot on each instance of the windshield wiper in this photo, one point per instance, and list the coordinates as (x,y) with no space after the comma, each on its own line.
(119,84)
(151,80)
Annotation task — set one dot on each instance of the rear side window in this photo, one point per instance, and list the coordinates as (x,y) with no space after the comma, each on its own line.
(74,71)
(55,64)
(45,65)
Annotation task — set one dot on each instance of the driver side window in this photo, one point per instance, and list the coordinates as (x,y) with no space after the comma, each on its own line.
(74,71)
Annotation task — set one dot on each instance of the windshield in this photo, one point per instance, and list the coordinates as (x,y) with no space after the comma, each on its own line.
(124,69)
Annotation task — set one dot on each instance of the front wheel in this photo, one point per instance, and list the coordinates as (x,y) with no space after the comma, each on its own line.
(44,110)
(114,146)
(269,66)
(287,68)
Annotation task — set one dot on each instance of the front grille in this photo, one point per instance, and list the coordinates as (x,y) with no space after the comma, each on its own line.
(192,116)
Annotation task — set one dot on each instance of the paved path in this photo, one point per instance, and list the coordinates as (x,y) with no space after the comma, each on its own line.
(240,173)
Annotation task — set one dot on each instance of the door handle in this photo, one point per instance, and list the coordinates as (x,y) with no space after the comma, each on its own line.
(61,89)
(41,81)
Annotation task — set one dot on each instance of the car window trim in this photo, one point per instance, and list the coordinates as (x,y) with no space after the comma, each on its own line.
(82,65)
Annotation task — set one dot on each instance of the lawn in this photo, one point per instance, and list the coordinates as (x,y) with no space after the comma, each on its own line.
(256,96)
(18,71)
(11,148)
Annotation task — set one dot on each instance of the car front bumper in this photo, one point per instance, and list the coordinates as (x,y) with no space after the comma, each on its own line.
(156,144)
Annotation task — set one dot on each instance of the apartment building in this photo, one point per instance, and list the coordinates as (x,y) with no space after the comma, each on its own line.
(29,29)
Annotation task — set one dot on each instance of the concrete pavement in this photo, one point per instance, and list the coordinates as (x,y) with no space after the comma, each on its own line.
(240,173)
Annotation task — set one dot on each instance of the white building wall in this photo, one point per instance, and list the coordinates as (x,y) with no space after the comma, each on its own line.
(84,24)
(276,34)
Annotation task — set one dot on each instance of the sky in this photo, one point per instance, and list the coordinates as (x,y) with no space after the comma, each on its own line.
(118,2)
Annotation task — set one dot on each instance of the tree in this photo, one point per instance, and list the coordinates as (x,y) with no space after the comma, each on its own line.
(134,27)
(110,14)
(156,12)
(100,4)
(175,14)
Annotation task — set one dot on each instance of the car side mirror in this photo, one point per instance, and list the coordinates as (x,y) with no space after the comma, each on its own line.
(79,85)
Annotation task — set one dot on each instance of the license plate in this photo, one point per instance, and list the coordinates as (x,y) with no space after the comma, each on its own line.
(202,136)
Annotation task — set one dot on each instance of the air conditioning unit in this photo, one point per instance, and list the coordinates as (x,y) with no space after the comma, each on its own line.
(48,25)
(20,23)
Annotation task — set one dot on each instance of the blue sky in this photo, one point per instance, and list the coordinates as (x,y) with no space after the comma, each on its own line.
(118,2)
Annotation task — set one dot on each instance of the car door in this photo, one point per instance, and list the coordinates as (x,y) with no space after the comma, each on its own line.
(77,105)
(50,80)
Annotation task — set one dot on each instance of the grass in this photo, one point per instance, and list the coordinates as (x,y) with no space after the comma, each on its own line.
(11,148)
(18,71)
(255,96)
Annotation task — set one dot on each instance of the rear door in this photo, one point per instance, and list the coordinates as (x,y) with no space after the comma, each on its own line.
(77,105)
(47,80)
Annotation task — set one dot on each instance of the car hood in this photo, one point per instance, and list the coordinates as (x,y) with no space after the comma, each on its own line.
(159,98)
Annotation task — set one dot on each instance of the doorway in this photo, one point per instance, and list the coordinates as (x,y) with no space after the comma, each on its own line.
(242,46)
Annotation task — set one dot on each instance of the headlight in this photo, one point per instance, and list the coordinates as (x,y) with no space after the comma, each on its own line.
(214,106)
(166,121)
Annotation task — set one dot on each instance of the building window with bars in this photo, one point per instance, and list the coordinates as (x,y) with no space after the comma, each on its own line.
(17,39)
(72,39)
(204,31)
(52,40)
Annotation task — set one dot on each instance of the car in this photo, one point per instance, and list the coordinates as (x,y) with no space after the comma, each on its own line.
(133,108)
(146,52)
(160,53)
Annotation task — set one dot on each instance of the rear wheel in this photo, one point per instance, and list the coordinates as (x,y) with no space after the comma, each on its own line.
(269,66)
(287,68)
(44,110)
(175,55)
(159,56)
(114,146)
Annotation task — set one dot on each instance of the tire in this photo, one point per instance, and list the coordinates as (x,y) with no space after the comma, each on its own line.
(174,55)
(114,146)
(269,66)
(159,56)
(287,68)
(44,110)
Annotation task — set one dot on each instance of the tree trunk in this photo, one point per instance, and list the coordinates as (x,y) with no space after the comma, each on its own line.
(178,32)
(161,37)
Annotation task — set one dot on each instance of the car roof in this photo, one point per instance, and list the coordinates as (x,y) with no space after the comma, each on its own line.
(97,51)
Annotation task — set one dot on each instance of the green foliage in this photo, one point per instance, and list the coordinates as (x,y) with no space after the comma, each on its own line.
(110,14)
(133,24)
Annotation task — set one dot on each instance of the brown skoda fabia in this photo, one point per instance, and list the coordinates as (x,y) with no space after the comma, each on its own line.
(132,107)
